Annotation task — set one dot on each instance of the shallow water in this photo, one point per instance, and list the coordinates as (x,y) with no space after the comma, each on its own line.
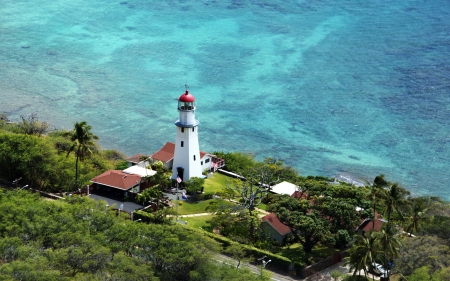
(352,89)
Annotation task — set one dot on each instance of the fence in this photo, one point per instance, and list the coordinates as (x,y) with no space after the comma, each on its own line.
(321,265)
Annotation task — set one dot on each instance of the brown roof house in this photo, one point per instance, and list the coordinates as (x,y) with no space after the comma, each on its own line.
(117,182)
(369,225)
(208,161)
(274,229)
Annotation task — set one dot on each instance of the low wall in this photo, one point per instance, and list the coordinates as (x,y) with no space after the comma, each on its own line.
(321,265)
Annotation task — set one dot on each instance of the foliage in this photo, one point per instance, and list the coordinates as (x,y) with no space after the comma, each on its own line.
(77,239)
(237,162)
(355,278)
(194,185)
(30,158)
(162,216)
(30,126)
(234,224)
(363,253)
(115,155)
(336,274)
(324,213)
(417,252)
(424,274)
(122,165)
(83,143)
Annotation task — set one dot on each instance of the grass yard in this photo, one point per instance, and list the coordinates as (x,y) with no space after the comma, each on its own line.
(199,207)
(296,250)
(199,222)
(216,183)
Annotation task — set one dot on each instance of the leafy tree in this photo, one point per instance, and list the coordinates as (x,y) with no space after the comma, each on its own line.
(194,185)
(31,126)
(237,252)
(306,223)
(83,143)
(438,225)
(237,162)
(227,272)
(420,274)
(28,157)
(122,165)
(420,251)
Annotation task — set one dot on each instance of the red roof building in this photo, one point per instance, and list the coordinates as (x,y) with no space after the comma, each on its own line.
(116,179)
(275,229)
(166,154)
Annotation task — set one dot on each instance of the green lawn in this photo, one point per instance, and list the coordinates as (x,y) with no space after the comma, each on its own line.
(216,183)
(296,250)
(199,207)
(199,222)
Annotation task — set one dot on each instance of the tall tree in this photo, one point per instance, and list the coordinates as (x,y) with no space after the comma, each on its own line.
(306,224)
(376,190)
(253,189)
(363,253)
(388,239)
(416,214)
(394,198)
(83,143)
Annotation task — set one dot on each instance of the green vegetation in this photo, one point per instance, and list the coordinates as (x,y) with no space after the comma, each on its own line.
(201,222)
(77,239)
(216,183)
(188,208)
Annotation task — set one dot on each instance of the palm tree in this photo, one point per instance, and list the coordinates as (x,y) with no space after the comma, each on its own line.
(376,190)
(417,214)
(363,253)
(390,241)
(83,142)
(394,198)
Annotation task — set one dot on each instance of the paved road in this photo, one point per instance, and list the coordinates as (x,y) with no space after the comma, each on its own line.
(276,275)
(127,206)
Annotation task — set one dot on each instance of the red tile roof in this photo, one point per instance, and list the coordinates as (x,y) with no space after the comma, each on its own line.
(135,158)
(368,225)
(166,153)
(117,179)
(276,224)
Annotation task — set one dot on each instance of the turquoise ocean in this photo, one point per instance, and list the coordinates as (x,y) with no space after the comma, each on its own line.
(347,89)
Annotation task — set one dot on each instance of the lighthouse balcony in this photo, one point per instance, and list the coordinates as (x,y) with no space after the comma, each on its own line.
(179,123)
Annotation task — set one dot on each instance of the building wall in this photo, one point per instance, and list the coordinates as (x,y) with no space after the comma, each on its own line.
(187,153)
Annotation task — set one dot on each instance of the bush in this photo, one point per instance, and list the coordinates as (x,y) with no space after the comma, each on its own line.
(355,278)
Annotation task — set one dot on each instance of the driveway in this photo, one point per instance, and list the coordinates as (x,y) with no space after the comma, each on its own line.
(127,206)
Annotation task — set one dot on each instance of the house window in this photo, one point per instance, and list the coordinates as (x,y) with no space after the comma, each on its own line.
(201,163)
(207,160)
(194,157)
(182,143)
(182,130)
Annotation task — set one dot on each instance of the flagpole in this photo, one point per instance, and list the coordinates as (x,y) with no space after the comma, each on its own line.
(177,201)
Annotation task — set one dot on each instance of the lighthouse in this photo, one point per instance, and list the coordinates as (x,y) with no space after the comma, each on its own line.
(186,159)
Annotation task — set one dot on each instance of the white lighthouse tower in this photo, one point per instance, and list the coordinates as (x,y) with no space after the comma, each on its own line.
(186,160)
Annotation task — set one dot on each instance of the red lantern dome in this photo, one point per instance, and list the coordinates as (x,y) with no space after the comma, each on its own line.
(186,97)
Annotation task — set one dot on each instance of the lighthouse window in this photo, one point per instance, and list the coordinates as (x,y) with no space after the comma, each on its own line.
(194,157)
(182,130)
(182,143)
(193,129)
